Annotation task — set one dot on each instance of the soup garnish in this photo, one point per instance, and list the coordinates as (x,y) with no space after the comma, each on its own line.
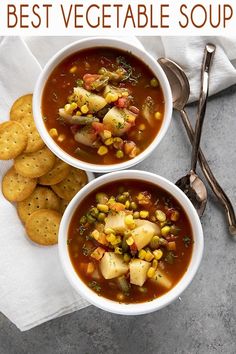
(130,241)
(103,105)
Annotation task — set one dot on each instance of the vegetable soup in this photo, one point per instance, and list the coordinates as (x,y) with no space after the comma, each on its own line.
(103,105)
(130,241)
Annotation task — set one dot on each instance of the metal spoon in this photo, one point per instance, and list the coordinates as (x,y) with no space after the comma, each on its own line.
(191,184)
(180,92)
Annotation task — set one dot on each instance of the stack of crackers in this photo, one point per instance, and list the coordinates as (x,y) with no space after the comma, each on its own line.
(41,184)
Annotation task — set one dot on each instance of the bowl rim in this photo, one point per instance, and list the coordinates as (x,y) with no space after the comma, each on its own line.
(100,42)
(139,308)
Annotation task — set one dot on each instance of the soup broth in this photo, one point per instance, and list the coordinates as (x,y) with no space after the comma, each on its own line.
(103,105)
(130,241)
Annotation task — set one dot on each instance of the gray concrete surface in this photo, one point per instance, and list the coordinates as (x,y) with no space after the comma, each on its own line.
(203,320)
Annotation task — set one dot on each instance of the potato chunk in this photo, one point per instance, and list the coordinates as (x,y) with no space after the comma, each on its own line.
(138,271)
(93,101)
(144,232)
(162,279)
(112,265)
(118,120)
(116,222)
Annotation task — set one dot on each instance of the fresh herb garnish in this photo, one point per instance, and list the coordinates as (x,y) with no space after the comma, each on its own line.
(169,258)
(131,76)
(85,250)
(187,241)
(95,286)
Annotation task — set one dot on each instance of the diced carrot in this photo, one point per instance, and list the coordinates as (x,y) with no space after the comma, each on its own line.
(102,239)
(122,102)
(89,79)
(90,268)
(99,127)
(98,253)
(117,206)
(171,246)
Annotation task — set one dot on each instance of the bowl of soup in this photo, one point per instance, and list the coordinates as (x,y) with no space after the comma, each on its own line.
(102,104)
(130,242)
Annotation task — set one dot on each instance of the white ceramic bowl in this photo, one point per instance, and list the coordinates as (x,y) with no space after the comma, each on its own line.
(91,43)
(113,306)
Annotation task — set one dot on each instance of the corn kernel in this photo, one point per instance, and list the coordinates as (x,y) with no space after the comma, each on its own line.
(119,154)
(109,230)
(130,241)
(142,127)
(142,254)
(78,113)
(84,109)
(154,82)
(151,272)
(107,134)
(95,234)
(118,250)
(73,106)
(116,241)
(103,207)
(103,150)
(126,257)
(127,205)
(162,224)
(61,138)
(111,97)
(160,215)
(125,94)
(120,297)
(111,238)
(136,215)
(109,141)
(90,268)
(154,264)
(158,254)
(129,221)
(174,216)
(53,132)
(89,115)
(158,115)
(149,256)
(165,230)
(144,214)
(73,69)
(67,107)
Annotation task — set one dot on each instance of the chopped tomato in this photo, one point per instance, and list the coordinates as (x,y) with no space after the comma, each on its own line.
(122,102)
(99,127)
(89,79)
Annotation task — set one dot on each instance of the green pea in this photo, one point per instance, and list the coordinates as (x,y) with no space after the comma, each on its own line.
(154,82)
(101,216)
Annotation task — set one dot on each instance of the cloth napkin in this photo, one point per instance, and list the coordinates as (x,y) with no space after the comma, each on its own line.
(33,287)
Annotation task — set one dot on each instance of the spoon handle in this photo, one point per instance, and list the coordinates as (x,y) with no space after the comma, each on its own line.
(206,65)
(216,188)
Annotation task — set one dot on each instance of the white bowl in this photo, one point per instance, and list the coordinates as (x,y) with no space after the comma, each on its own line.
(113,306)
(92,43)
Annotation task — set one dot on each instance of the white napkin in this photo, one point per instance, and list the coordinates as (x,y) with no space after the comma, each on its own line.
(188,53)
(33,286)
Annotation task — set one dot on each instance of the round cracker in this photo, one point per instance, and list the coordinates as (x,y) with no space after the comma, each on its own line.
(15,187)
(68,188)
(35,164)
(42,227)
(59,172)
(63,205)
(13,140)
(41,198)
(22,108)
(35,142)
